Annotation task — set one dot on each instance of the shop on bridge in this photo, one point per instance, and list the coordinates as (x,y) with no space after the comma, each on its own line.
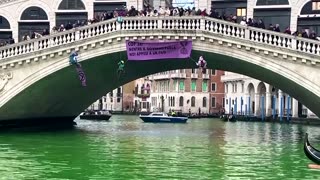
(33,19)
(309,17)
(233,7)
(5,30)
(71,11)
(101,7)
(273,12)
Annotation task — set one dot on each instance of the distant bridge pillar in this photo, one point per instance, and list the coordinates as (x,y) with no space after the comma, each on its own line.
(257,104)
(295,108)
(268,104)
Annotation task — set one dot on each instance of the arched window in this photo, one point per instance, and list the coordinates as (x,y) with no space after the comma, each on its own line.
(4,23)
(34,13)
(193,101)
(71,4)
(272,2)
(181,101)
(204,102)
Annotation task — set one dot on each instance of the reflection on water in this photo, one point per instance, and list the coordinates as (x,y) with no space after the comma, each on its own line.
(126,148)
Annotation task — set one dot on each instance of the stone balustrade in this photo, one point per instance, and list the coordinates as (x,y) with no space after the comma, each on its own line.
(190,23)
(6,1)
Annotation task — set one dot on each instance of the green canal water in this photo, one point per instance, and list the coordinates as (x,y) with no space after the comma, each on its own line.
(126,148)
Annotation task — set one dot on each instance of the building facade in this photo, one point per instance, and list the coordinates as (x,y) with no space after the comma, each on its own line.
(248,96)
(295,14)
(186,91)
(217,102)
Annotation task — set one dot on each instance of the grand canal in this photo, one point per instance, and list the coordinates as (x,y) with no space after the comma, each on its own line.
(126,148)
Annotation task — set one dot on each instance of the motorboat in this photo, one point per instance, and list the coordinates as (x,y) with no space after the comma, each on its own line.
(96,115)
(161,117)
(312,153)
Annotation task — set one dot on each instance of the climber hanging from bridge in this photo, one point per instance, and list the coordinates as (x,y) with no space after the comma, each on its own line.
(73,60)
(120,68)
(202,64)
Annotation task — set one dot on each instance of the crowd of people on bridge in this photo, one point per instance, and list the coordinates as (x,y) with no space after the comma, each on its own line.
(161,11)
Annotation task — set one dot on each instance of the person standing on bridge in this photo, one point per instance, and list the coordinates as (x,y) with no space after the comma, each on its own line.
(202,64)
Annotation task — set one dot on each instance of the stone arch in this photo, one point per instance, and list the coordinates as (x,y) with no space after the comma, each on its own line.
(45,7)
(273,2)
(60,3)
(261,88)
(287,78)
(34,13)
(5,24)
(302,5)
(75,5)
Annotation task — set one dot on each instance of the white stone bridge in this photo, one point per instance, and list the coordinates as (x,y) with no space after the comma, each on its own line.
(38,82)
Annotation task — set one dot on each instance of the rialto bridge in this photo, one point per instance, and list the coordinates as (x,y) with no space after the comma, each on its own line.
(37,81)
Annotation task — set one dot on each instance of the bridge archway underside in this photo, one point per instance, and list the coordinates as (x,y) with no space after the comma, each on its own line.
(52,89)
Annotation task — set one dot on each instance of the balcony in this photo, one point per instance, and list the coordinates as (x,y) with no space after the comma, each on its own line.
(194,76)
(143,95)
(233,77)
(178,75)
(161,76)
(205,76)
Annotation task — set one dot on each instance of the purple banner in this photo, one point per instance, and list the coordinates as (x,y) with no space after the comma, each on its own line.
(148,50)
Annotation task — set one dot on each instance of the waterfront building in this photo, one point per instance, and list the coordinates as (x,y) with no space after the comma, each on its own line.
(217,102)
(186,90)
(295,14)
(142,92)
(120,99)
(247,96)
(131,97)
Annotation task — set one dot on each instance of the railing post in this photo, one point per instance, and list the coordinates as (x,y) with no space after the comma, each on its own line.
(118,26)
(159,23)
(247,33)
(35,45)
(294,43)
(202,23)
(77,35)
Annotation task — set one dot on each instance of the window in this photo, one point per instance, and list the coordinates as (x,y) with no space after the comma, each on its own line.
(223,100)
(71,4)
(241,12)
(242,87)
(315,5)
(204,86)
(173,101)
(118,100)
(181,85)
(204,102)
(181,101)
(213,87)
(193,85)
(174,87)
(235,88)
(272,2)
(226,101)
(213,102)
(226,90)
(213,72)
(193,101)
(232,101)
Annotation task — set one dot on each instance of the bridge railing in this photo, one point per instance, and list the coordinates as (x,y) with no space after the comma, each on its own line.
(196,23)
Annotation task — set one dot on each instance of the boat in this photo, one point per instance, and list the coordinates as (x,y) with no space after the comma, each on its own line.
(312,153)
(96,115)
(230,118)
(160,117)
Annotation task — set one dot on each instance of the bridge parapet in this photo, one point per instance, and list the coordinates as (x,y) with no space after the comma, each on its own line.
(181,24)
